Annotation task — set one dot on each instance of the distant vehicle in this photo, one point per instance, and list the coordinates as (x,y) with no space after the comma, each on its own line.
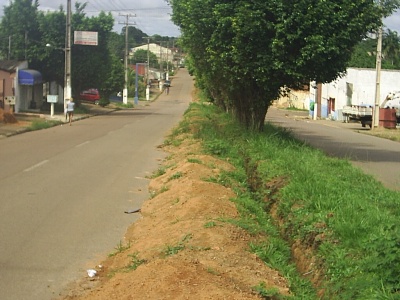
(90,95)
(167,83)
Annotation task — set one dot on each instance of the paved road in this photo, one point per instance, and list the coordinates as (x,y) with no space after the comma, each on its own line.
(64,191)
(376,156)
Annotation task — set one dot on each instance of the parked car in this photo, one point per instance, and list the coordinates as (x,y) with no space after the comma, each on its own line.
(90,95)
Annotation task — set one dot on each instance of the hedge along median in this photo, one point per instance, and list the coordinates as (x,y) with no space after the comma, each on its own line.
(325,225)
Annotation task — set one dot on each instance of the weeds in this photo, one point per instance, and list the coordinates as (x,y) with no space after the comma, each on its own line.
(160,171)
(135,262)
(270,294)
(210,224)
(194,161)
(174,249)
(175,176)
(345,218)
(120,248)
(39,124)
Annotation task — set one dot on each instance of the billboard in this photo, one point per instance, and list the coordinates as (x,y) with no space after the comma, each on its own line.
(86,38)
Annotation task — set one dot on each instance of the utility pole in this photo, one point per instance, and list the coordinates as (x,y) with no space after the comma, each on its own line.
(125,91)
(67,75)
(167,76)
(161,67)
(147,71)
(375,113)
(9,47)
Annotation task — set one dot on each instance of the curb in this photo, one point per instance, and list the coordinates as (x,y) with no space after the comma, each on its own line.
(45,117)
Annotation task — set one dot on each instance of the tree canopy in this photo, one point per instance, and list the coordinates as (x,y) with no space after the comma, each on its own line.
(243,52)
(39,37)
(364,54)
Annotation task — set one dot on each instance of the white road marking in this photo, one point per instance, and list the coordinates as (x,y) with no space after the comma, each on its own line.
(36,166)
(80,145)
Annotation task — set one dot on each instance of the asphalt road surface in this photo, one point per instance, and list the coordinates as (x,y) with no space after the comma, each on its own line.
(375,156)
(64,191)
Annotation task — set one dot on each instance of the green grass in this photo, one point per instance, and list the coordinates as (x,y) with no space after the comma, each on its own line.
(120,248)
(39,124)
(349,221)
(174,249)
(136,261)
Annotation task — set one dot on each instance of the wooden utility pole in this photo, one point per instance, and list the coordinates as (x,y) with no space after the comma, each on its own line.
(375,113)
(125,91)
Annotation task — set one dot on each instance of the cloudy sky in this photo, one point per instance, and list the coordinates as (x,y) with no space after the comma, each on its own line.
(152,16)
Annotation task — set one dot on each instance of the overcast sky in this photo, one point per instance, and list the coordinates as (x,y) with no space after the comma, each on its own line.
(152,16)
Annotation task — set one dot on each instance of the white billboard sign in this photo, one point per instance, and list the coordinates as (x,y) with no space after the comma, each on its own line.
(86,38)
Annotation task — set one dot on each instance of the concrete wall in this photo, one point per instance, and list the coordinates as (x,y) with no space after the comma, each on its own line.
(296,98)
(357,87)
(6,87)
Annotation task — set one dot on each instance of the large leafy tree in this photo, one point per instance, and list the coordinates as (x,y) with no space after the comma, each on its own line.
(364,54)
(19,29)
(245,51)
(391,47)
(31,30)
(140,56)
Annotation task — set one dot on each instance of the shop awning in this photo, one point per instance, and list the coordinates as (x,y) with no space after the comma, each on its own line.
(29,77)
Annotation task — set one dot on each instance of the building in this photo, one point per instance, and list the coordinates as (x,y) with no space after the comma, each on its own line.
(356,88)
(162,53)
(21,89)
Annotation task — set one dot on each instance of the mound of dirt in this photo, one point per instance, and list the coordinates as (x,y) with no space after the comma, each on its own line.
(7,117)
(183,247)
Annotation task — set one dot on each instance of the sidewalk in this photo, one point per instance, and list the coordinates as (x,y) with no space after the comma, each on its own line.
(25,120)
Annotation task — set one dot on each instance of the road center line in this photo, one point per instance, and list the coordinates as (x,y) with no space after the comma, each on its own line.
(36,166)
(80,145)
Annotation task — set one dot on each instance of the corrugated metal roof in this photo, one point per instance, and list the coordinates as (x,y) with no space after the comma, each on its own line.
(9,65)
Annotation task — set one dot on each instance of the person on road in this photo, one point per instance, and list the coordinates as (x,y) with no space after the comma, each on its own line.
(70,109)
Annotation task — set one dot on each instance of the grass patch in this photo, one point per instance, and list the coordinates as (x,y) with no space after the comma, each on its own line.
(136,261)
(174,249)
(175,176)
(120,248)
(293,194)
(210,224)
(160,171)
(194,161)
(39,124)
(122,105)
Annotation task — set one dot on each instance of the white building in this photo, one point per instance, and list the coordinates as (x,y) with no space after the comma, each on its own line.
(355,88)
(162,53)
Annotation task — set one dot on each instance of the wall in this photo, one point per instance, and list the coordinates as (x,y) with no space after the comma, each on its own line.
(357,87)
(6,87)
(296,98)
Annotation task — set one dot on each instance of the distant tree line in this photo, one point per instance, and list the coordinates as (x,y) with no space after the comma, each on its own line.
(26,33)
(364,54)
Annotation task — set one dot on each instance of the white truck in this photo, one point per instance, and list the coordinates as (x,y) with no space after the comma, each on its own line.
(363,113)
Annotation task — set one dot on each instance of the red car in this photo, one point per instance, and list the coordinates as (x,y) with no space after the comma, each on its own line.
(90,95)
